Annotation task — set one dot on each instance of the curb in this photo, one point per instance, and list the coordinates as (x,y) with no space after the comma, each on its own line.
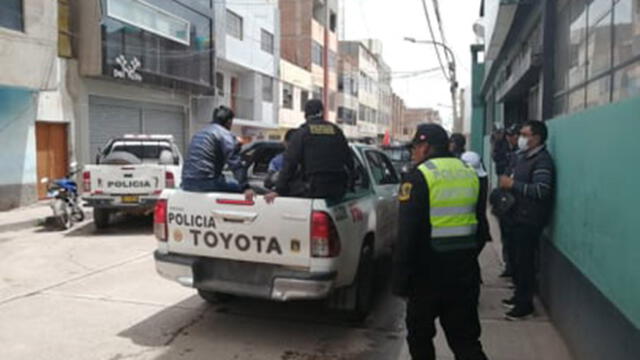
(32,223)
(22,225)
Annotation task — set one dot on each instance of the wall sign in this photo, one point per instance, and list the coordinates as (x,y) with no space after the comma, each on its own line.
(128,69)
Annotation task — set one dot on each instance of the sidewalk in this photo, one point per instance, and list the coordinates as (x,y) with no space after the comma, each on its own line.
(534,339)
(28,216)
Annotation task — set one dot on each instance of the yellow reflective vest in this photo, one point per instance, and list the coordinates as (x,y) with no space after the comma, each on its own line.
(453,195)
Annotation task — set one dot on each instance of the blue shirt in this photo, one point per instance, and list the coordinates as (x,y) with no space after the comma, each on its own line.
(277,163)
(210,150)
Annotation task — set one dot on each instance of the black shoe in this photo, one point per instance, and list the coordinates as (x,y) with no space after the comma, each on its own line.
(519,314)
(509,303)
(506,274)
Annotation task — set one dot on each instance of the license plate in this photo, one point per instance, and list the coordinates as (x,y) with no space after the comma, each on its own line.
(130,199)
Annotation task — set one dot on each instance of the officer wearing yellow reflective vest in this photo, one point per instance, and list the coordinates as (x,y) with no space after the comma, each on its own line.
(442,229)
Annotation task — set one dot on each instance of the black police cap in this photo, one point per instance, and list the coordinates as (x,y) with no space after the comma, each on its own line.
(433,134)
(313,108)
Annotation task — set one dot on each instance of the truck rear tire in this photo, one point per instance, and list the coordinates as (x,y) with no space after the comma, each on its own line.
(214,297)
(101,218)
(356,300)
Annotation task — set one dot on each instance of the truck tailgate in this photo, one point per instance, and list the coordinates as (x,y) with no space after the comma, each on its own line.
(225,226)
(127,179)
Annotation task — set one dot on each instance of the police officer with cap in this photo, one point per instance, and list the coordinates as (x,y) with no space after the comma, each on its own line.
(318,161)
(435,261)
(209,151)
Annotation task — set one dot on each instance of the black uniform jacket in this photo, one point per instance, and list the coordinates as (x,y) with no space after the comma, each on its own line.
(319,153)
(416,266)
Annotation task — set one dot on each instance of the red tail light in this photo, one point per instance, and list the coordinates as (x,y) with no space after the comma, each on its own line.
(86,182)
(169,180)
(325,242)
(160,220)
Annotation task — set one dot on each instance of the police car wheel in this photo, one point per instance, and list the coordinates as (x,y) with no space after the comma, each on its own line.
(365,283)
(214,297)
(101,218)
(355,301)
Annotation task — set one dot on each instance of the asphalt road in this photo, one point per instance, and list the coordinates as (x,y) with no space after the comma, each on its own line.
(83,294)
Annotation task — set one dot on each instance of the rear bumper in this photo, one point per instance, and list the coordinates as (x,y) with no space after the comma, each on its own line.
(113,202)
(244,279)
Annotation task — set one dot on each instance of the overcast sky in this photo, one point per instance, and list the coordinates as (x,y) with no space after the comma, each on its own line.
(392,20)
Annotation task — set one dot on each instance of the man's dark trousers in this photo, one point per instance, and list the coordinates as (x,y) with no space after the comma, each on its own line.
(526,239)
(506,234)
(457,310)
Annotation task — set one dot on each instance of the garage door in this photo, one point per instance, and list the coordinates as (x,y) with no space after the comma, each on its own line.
(110,118)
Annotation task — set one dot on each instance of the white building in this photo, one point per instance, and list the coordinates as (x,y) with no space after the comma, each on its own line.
(248,60)
(33,130)
(296,86)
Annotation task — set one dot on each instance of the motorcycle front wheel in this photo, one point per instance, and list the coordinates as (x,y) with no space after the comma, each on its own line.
(77,213)
(62,214)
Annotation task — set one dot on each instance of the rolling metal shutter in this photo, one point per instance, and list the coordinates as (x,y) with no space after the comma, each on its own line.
(110,118)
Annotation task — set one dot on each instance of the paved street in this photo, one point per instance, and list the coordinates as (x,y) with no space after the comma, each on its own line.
(87,295)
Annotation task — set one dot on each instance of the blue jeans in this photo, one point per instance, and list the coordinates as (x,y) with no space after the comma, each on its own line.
(220,184)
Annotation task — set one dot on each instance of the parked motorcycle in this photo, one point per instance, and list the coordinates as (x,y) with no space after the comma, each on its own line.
(64,199)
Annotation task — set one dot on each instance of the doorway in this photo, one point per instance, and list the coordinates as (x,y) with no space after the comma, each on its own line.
(52,157)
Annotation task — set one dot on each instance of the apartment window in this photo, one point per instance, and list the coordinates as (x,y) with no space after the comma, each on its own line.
(287,96)
(333,59)
(267,41)
(317,54)
(267,88)
(11,14)
(346,116)
(304,97)
(333,21)
(150,18)
(234,25)
(597,53)
(64,29)
(318,92)
(332,101)
(220,83)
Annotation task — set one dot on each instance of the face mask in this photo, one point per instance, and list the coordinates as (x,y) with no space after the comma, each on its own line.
(523,143)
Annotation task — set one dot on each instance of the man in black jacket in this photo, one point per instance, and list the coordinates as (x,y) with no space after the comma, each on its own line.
(531,182)
(504,165)
(320,154)
(435,270)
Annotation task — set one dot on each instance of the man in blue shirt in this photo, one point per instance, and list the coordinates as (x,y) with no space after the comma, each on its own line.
(277,163)
(209,151)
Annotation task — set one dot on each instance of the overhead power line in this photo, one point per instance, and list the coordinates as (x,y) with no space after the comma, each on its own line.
(436,7)
(433,38)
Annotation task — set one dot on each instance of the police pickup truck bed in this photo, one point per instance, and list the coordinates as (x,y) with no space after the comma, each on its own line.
(130,174)
(292,249)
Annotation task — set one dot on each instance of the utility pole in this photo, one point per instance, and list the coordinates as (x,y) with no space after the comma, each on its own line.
(325,94)
(452,75)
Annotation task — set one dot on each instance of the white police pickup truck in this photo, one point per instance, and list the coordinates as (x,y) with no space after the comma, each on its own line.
(130,174)
(293,249)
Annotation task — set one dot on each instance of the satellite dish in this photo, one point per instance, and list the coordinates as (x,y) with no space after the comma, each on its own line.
(478,28)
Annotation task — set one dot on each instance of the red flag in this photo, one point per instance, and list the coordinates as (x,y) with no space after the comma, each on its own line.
(387,139)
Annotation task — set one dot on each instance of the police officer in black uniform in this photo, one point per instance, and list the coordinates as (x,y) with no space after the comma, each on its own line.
(318,161)
(439,277)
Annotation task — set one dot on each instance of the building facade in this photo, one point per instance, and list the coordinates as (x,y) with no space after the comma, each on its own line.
(141,67)
(414,117)
(364,60)
(348,93)
(33,127)
(309,40)
(248,64)
(397,117)
(296,87)
(576,65)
